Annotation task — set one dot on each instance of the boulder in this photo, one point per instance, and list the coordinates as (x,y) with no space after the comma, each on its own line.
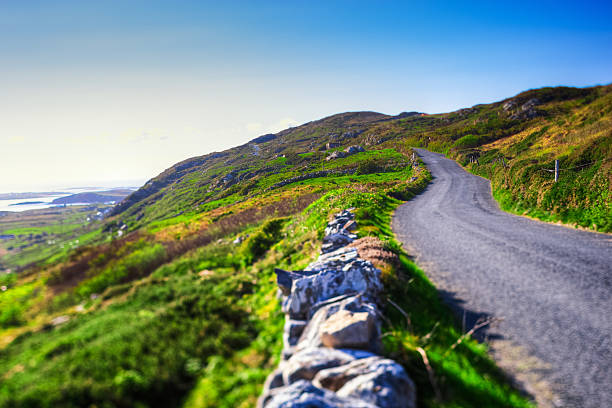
(337,240)
(284,279)
(305,364)
(354,149)
(348,329)
(377,380)
(509,106)
(333,260)
(335,155)
(349,323)
(355,277)
(303,394)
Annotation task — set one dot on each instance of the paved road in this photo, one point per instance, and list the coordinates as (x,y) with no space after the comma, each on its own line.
(551,284)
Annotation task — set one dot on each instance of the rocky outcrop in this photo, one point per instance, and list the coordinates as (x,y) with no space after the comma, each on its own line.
(347,152)
(332,333)
(525,111)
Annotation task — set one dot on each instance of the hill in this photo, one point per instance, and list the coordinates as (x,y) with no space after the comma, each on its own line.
(528,131)
(99,197)
(171,300)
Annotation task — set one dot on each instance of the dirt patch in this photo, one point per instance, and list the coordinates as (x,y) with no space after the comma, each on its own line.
(372,249)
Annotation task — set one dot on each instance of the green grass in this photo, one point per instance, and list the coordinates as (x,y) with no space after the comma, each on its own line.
(209,339)
(184,317)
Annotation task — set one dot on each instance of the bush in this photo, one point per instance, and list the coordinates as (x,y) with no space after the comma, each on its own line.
(259,243)
(468,141)
(368,167)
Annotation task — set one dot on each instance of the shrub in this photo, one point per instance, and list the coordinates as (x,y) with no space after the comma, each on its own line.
(259,243)
(468,141)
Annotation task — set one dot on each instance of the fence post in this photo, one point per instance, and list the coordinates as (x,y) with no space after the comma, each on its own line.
(556,170)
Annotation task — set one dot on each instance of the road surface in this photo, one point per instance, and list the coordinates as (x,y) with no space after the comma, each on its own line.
(551,284)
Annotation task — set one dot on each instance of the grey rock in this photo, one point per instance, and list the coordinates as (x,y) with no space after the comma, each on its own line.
(333,260)
(335,155)
(509,106)
(285,279)
(355,277)
(337,240)
(349,329)
(60,320)
(274,380)
(303,394)
(349,323)
(305,364)
(379,381)
(530,104)
(332,332)
(337,224)
(354,149)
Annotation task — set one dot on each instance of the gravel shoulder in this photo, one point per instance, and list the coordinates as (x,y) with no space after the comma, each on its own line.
(550,284)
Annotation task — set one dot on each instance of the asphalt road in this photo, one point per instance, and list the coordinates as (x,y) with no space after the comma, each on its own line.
(551,284)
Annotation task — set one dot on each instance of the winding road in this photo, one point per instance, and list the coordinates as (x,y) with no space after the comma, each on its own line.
(552,285)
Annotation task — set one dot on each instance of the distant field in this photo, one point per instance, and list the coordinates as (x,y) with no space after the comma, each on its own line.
(44,235)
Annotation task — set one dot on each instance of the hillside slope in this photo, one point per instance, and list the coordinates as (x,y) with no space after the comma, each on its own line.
(514,141)
(187,260)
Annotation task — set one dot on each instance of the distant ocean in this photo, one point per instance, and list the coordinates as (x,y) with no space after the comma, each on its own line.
(44,201)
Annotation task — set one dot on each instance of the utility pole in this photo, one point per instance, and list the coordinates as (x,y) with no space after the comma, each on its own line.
(556,170)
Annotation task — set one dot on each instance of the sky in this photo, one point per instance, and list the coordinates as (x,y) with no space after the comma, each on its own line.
(114,92)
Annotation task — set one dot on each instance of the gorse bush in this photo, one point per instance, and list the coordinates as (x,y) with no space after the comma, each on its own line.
(259,243)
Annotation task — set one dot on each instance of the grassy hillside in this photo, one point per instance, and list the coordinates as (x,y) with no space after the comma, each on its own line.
(171,300)
(528,131)
(514,142)
(153,320)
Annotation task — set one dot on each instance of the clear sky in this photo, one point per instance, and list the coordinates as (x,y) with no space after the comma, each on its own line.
(114,92)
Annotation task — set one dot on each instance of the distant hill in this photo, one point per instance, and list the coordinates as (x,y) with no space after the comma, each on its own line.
(22,196)
(27,203)
(99,197)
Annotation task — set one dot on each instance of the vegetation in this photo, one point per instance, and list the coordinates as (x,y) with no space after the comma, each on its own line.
(45,236)
(171,300)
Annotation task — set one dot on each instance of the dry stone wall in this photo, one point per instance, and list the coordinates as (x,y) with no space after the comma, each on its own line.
(332,333)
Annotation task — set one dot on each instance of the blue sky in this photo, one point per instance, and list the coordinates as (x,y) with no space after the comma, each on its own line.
(109,91)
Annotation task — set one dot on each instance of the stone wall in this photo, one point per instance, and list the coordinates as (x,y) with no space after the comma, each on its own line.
(332,333)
